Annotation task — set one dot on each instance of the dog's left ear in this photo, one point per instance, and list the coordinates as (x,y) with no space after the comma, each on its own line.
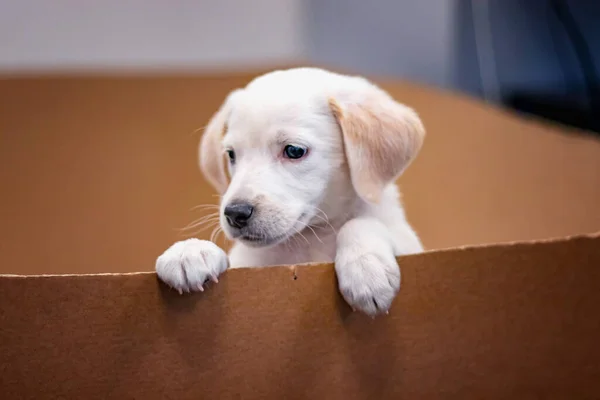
(381,138)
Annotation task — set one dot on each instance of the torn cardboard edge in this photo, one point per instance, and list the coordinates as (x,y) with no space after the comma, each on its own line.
(293,268)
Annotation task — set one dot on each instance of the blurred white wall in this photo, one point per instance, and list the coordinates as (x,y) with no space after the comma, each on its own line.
(74,34)
(411,39)
(483,47)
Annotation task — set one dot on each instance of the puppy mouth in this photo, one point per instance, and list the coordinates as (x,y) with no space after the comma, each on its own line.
(261,240)
(256,240)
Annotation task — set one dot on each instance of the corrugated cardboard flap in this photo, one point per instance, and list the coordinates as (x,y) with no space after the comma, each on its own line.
(487,322)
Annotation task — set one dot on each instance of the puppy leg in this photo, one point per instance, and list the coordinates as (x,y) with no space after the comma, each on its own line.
(366,267)
(187,265)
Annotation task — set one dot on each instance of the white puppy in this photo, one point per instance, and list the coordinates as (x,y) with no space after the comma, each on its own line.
(312,161)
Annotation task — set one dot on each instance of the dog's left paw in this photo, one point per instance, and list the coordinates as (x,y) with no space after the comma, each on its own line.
(369,283)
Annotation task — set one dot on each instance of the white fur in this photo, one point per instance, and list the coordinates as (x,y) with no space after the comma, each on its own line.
(307,210)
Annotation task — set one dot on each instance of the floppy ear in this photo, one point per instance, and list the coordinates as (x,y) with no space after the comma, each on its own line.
(381,137)
(211,157)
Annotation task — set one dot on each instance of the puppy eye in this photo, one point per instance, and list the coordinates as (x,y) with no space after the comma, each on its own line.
(231,155)
(294,152)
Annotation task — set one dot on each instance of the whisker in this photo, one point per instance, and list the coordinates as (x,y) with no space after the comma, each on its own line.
(195,131)
(327,223)
(225,240)
(314,233)
(205,207)
(324,218)
(206,220)
(197,231)
(215,234)
(301,235)
(288,245)
(294,241)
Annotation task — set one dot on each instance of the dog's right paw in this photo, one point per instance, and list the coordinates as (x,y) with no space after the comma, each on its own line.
(187,265)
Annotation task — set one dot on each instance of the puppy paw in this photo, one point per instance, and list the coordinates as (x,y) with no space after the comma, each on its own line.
(187,265)
(369,282)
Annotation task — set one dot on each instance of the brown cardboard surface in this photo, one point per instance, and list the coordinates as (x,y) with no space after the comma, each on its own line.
(499,322)
(98,174)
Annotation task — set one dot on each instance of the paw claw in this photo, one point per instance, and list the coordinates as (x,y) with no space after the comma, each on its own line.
(369,283)
(187,265)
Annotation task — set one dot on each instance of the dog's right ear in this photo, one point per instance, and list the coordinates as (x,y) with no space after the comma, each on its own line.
(211,156)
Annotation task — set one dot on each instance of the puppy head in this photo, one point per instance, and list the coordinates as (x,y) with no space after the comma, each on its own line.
(297,144)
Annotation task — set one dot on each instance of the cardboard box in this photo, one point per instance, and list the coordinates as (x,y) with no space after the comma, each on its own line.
(98,173)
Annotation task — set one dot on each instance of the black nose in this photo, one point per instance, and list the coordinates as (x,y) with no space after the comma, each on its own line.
(238,214)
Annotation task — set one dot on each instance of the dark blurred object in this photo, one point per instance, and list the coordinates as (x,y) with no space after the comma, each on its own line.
(568,108)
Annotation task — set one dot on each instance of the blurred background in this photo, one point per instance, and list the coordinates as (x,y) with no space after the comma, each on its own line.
(538,56)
